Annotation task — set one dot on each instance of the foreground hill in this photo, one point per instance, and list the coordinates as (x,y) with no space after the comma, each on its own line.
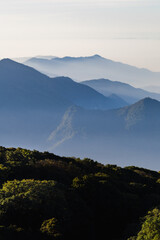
(127,135)
(123,90)
(44,196)
(95,67)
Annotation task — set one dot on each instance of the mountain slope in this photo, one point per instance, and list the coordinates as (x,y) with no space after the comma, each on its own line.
(85,96)
(129,135)
(33,87)
(32,104)
(95,67)
(123,90)
(29,106)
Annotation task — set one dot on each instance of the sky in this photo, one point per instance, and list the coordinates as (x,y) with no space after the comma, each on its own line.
(122,30)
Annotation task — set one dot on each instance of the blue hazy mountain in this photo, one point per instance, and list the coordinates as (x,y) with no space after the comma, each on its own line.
(70,118)
(32,104)
(95,67)
(22,85)
(127,136)
(29,105)
(125,91)
(85,96)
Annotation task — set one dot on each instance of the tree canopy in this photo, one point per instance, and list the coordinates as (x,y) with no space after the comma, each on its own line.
(44,196)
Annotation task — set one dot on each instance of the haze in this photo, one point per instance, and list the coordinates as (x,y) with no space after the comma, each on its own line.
(122,30)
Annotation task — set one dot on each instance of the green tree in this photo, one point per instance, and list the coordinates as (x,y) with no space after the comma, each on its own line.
(29,202)
(151,226)
(52,228)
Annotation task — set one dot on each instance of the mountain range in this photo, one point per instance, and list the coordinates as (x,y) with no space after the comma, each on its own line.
(129,135)
(73,119)
(127,92)
(33,89)
(32,104)
(95,67)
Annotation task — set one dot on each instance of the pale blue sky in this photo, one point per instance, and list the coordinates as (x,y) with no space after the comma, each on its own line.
(122,30)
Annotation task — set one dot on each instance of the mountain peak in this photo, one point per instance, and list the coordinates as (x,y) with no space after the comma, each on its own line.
(6,60)
(148,101)
(68,58)
(9,63)
(146,108)
(145,104)
(96,56)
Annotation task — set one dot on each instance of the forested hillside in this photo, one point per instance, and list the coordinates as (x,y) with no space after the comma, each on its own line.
(44,196)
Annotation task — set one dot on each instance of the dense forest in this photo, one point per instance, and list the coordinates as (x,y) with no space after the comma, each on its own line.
(44,196)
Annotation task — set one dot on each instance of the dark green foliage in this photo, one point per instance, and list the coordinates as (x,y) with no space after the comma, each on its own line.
(44,196)
(150,229)
(28,202)
(52,229)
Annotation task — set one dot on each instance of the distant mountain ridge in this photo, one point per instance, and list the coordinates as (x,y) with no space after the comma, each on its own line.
(129,134)
(95,67)
(123,90)
(32,104)
(141,114)
(24,59)
(26,80)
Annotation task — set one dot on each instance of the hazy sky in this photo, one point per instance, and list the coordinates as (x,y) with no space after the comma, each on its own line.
(122,30)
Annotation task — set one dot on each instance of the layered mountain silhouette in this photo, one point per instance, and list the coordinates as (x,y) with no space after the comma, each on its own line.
(73,119)
(95,67)
(29,106)
(33,89)
(32,104)
(129,135)
(125,91)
